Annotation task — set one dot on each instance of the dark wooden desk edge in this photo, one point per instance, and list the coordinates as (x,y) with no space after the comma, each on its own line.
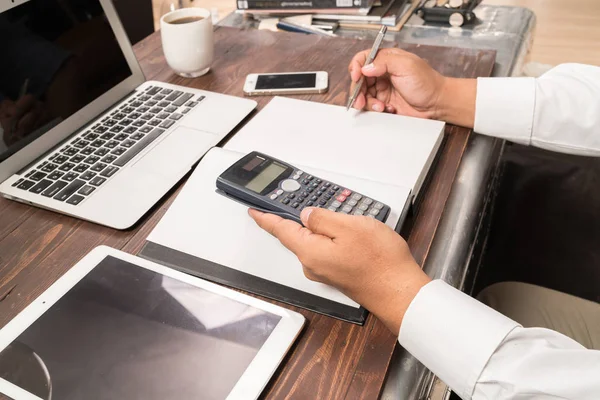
(376,346)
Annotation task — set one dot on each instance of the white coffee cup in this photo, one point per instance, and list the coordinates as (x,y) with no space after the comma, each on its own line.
(188,47)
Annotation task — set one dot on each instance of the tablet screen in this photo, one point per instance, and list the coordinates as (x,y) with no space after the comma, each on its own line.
(125,332)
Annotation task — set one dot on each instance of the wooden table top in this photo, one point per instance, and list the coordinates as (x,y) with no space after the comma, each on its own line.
(332,359)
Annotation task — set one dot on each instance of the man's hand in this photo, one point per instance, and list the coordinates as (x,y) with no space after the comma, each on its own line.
(20,118)
(400,82)
(362,257)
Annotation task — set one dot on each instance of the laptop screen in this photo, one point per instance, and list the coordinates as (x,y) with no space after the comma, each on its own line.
(57,57)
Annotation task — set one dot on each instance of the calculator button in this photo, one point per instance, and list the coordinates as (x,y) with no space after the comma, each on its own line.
(327,197)
(295,205)
(366,201)
(346,192)
(378,205)
(323,202)
(319,193)
(314,198)
(291,196)
(336,188)
(326,184)
(352,203)
(309,203)
(273,196)
(343,212)
(363,207)
(305,182)
(285,201)
(299,172)
(336,204)
(358,212)
(356,197)
(290,185)
(301,199)
(341,198)
(346,209)
(373,212)
(332,208)
(279,192)
(297,176)
(331,192)
(310,178)
(370,216)
(310,189)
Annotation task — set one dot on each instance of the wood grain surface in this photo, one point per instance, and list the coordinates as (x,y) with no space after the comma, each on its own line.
(332,359)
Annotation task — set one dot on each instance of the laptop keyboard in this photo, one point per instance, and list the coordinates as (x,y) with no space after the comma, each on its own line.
(95,155)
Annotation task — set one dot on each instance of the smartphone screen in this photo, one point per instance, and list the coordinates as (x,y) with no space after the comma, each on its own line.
(287,81)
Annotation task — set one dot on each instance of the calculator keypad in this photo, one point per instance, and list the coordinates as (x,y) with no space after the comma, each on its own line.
(304,190)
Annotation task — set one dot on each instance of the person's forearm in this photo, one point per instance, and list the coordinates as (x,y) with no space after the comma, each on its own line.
(457,100)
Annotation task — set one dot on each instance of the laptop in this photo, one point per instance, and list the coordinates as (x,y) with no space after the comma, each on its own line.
(118,327)
(81,131)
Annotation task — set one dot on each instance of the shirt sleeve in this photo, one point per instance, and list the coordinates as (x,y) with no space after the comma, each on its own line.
(560,111)
(482,354)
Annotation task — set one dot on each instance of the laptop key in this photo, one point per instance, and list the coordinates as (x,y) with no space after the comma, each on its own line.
(41,186)
(109,171)
(110,122)
(187,110)
(153,90)
(91,160)
(109,159)
(54,189)
(112,144)
(86,176)
(118,151)
(98,143)
(176,117)
(191,104)
(81,168)
(120,137)
(70,151)
(56,175)
(126,122)
(80,144)
(128,110)
(98,167)
(163,115)
(136,103)
(70,176)
(146,129)
(102,152)
(143,109)
(139,123)
(37,176)
(154,122)
(91,136)
(167,123)
(183,99)
(130,130)
(17,183)
(155,110)
(69,190)
(87,151)
(97,181)
(135,115)
(128,143)
(49,167)
(75,199)
(117,128)
(119,116)
(159,97)
(86,190)
(164,104)
(170,109)
(174,95)
(151,103)
(147,117)
(166,91)
(144,98)
(141,145)
(26,185)
(101,129)
(77,159)
(60,159)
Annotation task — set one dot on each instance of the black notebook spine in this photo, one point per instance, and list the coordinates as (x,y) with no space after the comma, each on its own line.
(300,4)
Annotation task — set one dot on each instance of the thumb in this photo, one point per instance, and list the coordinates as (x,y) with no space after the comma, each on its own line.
(388,61)
(325,222)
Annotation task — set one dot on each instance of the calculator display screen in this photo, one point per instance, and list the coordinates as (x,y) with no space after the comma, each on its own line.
(265,177)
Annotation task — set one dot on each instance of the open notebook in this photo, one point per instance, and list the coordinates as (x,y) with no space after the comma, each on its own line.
(385,157)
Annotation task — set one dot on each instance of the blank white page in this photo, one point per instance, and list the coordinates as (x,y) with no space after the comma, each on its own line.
(380,147)
(207,225)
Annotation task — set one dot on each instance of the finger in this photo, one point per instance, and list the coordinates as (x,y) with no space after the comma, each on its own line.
(374,104)
(360,102)
(24,105)
(325,222)
(356,64)
(390,109)
(292,235)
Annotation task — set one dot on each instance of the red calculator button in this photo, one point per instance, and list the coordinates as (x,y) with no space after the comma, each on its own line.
(341,198)
(346,192)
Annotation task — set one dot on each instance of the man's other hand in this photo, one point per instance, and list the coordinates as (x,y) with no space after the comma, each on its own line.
(362,257)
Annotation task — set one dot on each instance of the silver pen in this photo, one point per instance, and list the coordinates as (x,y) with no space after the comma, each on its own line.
(370,59)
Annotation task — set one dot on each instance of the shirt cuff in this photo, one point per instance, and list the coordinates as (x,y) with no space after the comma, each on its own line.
(452,334)
(505,108)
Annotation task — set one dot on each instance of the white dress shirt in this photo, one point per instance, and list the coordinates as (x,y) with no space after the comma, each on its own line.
(475,350)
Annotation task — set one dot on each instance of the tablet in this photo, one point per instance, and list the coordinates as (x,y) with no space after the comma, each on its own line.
(119,327)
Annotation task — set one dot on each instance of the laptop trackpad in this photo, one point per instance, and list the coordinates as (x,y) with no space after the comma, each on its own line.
(177,152)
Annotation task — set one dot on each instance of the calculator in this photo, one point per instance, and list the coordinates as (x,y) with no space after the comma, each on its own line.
(270,185)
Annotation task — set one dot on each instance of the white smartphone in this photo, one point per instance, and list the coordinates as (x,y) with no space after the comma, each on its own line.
(286,83)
